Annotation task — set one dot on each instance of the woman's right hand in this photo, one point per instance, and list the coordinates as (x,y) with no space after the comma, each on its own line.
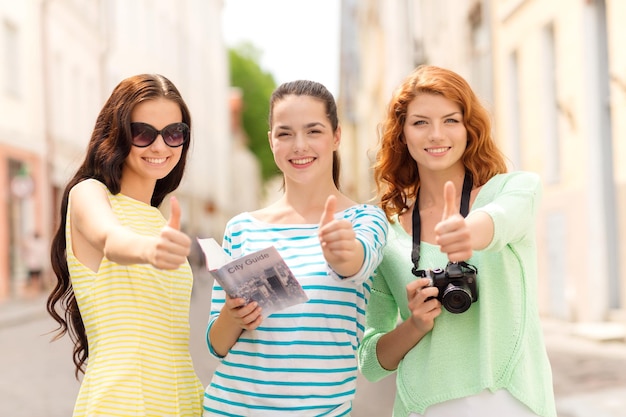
(423,305)
(172,246)
(246,316)
(393,346)
(235,317)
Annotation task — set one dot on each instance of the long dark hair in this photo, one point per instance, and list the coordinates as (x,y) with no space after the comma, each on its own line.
(317,91)
(108,148)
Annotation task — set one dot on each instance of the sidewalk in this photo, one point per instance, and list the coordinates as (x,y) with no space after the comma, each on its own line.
(17,311)
(589,368)
(588,361)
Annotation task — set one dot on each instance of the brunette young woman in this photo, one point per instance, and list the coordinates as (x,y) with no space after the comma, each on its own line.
(300,361)
(123,280)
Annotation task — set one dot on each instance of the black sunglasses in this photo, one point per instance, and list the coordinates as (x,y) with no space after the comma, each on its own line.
(174,135)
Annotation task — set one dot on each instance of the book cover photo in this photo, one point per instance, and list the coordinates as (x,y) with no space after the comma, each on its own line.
(261,276)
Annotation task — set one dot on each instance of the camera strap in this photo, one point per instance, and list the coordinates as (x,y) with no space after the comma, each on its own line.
(417,224)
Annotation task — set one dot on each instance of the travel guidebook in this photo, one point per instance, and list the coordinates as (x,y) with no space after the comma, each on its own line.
(261,276)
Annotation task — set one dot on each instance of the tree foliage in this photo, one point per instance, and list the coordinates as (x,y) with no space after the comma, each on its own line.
(257,86)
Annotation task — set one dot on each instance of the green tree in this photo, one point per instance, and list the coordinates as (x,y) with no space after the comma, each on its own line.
(257,86)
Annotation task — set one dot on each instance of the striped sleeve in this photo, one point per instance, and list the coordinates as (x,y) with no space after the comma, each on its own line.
(301,360)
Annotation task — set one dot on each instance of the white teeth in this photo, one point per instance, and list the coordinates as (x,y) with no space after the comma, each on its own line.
(437,150)
(301,161)
(156,160)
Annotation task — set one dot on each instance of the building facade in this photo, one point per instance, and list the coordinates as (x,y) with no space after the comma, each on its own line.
(23,142)
(59,62)
(559,82)
(553,75)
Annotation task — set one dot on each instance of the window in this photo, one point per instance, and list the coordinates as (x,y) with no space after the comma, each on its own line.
(11,59)
(513,133)
(550,109)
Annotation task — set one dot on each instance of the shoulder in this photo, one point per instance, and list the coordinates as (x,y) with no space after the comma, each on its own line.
(239,219)
(87,190)
(520,176)
(510,197)
(264,214)
(365,210)
(514,181)
(367,218)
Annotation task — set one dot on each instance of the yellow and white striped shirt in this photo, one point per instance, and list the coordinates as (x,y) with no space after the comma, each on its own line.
(137,323)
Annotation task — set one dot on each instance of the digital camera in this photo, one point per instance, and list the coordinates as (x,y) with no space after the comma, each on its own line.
(456,284)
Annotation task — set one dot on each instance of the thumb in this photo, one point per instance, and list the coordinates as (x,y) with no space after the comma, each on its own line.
(450,207)
(329,210)
(174,221)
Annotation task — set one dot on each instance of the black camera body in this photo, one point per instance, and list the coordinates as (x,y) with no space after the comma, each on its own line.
(456,284)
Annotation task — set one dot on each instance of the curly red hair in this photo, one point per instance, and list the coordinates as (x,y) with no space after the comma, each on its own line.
(395,171)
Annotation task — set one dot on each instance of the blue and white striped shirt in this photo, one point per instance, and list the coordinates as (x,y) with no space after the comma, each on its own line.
(301,360)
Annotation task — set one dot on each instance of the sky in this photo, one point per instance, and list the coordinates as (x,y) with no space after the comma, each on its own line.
(298,39)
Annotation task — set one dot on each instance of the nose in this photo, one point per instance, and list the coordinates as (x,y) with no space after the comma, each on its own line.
(300,143)
(436,131)
(159,143)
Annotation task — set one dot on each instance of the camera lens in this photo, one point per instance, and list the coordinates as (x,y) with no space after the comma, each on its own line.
(456,299)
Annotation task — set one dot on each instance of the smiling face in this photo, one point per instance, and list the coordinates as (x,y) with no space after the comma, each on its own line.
(302,139)
(144,166)
(434,133)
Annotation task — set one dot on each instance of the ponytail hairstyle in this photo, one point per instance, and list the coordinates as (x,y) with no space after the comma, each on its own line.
(319,92)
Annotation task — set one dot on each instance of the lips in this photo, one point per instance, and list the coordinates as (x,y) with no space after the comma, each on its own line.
(437,151)
(155,161)
(302,161)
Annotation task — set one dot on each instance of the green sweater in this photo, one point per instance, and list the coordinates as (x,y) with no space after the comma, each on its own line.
(497,343)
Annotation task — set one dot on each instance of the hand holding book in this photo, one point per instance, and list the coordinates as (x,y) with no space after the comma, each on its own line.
(261,276)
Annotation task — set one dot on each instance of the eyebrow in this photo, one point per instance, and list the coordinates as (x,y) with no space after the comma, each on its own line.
(443,117)
(306,126)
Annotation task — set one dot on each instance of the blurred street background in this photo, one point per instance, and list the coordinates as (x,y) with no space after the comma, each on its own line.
(38,379)
(552,73)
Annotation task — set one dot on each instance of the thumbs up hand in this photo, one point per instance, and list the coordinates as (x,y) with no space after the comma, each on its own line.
(338,240)
(172,246)
(452,233)
(174,220)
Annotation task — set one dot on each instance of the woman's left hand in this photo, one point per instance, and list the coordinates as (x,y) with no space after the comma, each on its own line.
(338,240)
(452,233)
